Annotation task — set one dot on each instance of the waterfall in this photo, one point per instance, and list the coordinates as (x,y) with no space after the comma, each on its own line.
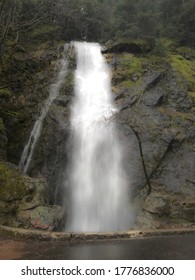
(99,199)
(36,131)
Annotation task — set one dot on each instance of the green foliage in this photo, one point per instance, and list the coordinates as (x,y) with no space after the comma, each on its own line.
(129,71)
(178,20)
(186,68)
(162,47)
(131,63)
(148,18)
(97,20)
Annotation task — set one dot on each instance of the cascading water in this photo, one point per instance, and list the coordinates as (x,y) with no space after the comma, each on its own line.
(36,131)
(99,190)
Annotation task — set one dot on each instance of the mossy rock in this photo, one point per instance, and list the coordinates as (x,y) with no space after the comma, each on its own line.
(186,68)
(16,186)
(39,194)
(19,193)
(127,71)
(12,185)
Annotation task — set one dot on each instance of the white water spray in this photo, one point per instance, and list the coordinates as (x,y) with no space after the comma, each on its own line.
(99,190)
(36,131)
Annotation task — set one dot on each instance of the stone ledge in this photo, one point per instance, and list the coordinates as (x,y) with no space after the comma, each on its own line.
(16,233)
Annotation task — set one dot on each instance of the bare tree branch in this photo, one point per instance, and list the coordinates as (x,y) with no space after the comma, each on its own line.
(142,158)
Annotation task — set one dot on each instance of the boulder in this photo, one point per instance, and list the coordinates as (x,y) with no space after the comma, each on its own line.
(50,218)
(165,209)
(24,201)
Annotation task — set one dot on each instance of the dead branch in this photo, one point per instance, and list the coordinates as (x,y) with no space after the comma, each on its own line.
(142,159)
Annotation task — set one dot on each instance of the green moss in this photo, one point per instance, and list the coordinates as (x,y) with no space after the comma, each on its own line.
(130,67)
(130,84)
(12,186)
(131,63)
(185,67)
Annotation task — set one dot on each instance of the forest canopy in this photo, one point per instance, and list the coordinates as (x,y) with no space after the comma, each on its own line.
(97,20)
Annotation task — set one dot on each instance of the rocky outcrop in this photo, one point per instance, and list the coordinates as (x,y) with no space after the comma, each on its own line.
(24,201)
(156,100)
(131,46)
(52,151)
(166,209)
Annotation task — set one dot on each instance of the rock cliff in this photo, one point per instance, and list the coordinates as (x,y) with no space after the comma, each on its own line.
(156,99)
(155,96)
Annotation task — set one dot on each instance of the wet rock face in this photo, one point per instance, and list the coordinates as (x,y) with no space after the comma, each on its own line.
(51,156)
(164,209)
(158,105)
(24,201)
(22,106)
